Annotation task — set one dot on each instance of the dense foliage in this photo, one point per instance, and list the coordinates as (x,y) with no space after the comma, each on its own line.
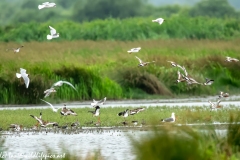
(19,11)
(127,29)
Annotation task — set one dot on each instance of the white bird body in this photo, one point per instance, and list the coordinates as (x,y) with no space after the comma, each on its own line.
(53,33)
(134,50)
(15,50)
(46,5)
(96,112)
(229,59)
(54,109)
(60,83)
(159,20)
(170,119)
(24,75)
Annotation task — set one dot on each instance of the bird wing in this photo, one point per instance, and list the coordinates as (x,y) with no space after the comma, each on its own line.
(179,75)
(38,119)
(211,103)
(139,59)
(185,71)
(26,79)
(168,119)
(52,30)
(48,103)
(23,70)
(66,82)
(218,102)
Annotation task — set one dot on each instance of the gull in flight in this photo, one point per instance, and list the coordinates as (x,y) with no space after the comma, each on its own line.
(46,5)
(208,82)
(24,75)
(53,33)
(159,20)
(174,64)
(229,59)
(170,119)
(54,109)
(222,94)
(141,63)
(101,102)
(48,92)
(60,83)
(15,50)
(134,50)
(180,77)
(215,106)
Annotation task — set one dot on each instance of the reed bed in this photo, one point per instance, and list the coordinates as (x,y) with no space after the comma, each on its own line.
(128,29)
(109,117)
(105,69)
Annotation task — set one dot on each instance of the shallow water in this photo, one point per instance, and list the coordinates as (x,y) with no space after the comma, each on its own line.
(113,144)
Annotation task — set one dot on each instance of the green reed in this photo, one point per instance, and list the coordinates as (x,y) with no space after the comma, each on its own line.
(140,28)
(105,69)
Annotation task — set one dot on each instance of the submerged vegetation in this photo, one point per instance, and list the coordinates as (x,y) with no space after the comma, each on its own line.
(105,69)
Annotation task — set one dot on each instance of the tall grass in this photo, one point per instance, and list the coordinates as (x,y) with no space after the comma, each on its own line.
(183,142)
(108,116)
(105,69)
(128,29)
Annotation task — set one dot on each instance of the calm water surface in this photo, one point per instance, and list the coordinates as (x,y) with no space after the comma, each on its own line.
(113,144)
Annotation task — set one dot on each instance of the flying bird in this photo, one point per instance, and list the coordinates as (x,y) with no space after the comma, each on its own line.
(54,109)
(141,63)
(134,50)
(15,50)
(48,92)
(53,33)
(222,94)
(46,5)
(170,119)
(208,82)
(24,75)
(101,102)
(215,105)
(41,121)
(159,20)
(229,59)
(60,83)
(180,77)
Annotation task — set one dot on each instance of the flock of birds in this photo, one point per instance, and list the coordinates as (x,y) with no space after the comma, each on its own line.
(182,77)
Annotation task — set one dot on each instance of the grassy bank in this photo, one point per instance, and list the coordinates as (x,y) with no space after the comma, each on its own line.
(104,68)
(109,117)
